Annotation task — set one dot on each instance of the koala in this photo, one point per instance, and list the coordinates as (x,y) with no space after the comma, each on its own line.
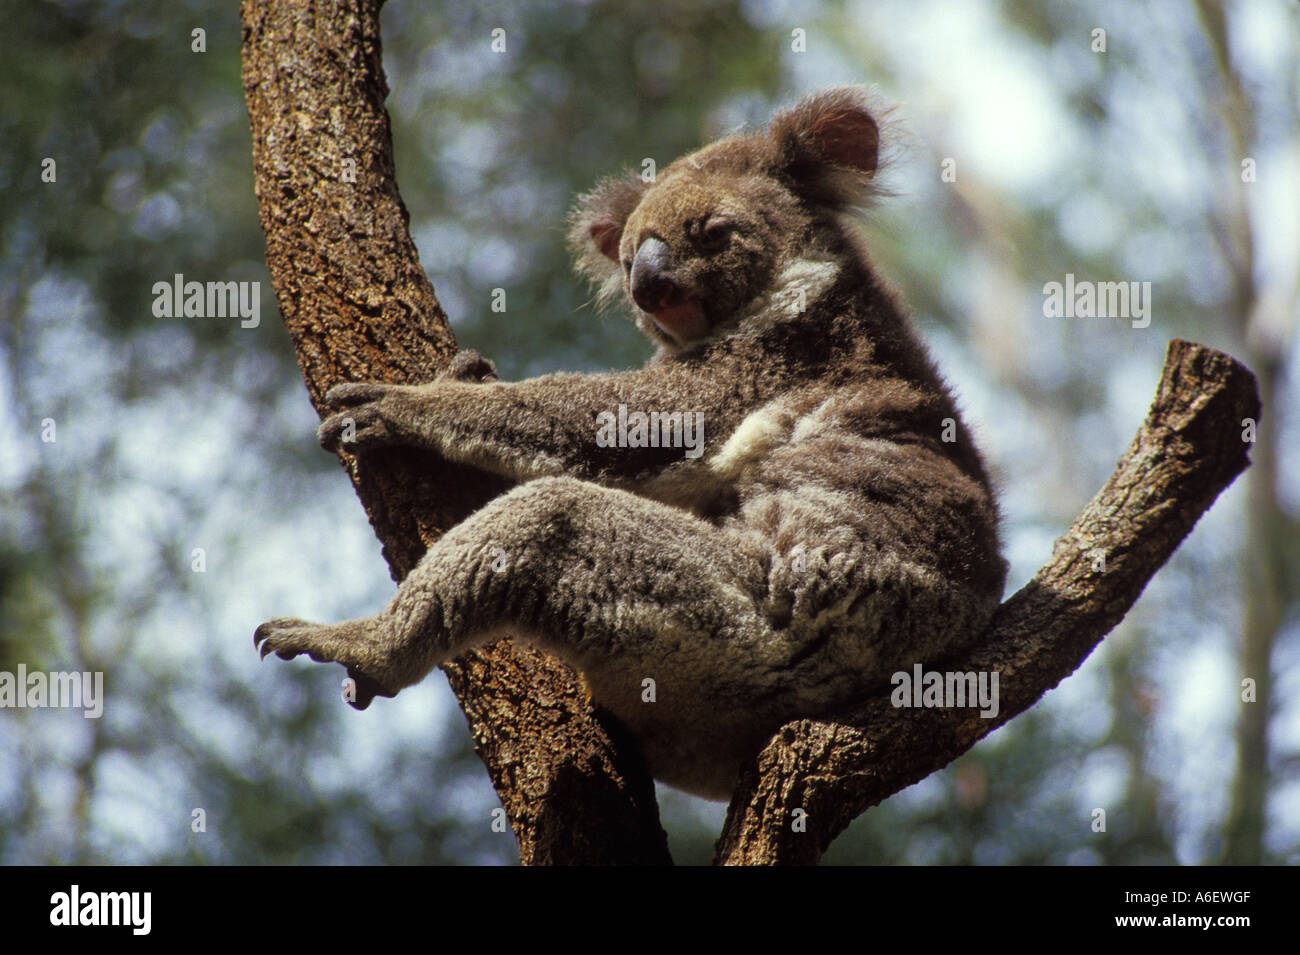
(777,512)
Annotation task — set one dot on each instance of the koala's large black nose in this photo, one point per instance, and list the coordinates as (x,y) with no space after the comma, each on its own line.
(652,287)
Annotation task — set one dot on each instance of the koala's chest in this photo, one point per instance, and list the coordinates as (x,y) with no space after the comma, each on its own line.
(788,428)
(714,484)
(752,442)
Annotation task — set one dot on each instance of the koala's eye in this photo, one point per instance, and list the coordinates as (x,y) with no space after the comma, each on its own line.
(627,266)
(711,234)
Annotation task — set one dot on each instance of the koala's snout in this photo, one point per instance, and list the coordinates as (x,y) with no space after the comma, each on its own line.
(653,288)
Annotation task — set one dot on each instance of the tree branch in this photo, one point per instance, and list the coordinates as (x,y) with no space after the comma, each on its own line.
(1189,449)
(359,307)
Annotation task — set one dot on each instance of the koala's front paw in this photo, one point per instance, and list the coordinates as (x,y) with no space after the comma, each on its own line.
(363,421)
(288,637)
(470,366)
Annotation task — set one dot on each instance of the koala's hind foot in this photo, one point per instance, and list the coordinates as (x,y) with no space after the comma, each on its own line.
(359,647)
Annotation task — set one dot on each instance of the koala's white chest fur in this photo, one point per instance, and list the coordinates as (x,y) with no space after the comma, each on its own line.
(741,456)
(763,431)
(758,435)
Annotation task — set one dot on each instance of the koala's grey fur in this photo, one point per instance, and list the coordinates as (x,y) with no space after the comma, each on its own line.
(826,537)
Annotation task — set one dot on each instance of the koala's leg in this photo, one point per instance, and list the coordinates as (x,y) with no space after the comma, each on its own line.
(621,587)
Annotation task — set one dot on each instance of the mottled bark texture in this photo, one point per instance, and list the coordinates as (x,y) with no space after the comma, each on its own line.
(359,307)
(1190,448)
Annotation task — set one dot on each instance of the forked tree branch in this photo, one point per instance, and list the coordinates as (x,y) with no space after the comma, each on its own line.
(1194,442)
(359,307)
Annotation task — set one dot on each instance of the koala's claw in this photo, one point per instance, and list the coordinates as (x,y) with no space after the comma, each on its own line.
(362,419)
(288,637)
(470,366)
(355,429)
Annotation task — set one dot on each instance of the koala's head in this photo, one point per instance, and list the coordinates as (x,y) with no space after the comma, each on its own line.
(697,249)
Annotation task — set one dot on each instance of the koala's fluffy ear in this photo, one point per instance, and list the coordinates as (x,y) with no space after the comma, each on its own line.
(596,226)
(828,147)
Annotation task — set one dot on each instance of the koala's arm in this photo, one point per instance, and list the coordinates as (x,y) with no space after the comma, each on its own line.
(546,426)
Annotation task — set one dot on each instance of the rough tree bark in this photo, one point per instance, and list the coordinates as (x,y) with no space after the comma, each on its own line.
(359,307)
